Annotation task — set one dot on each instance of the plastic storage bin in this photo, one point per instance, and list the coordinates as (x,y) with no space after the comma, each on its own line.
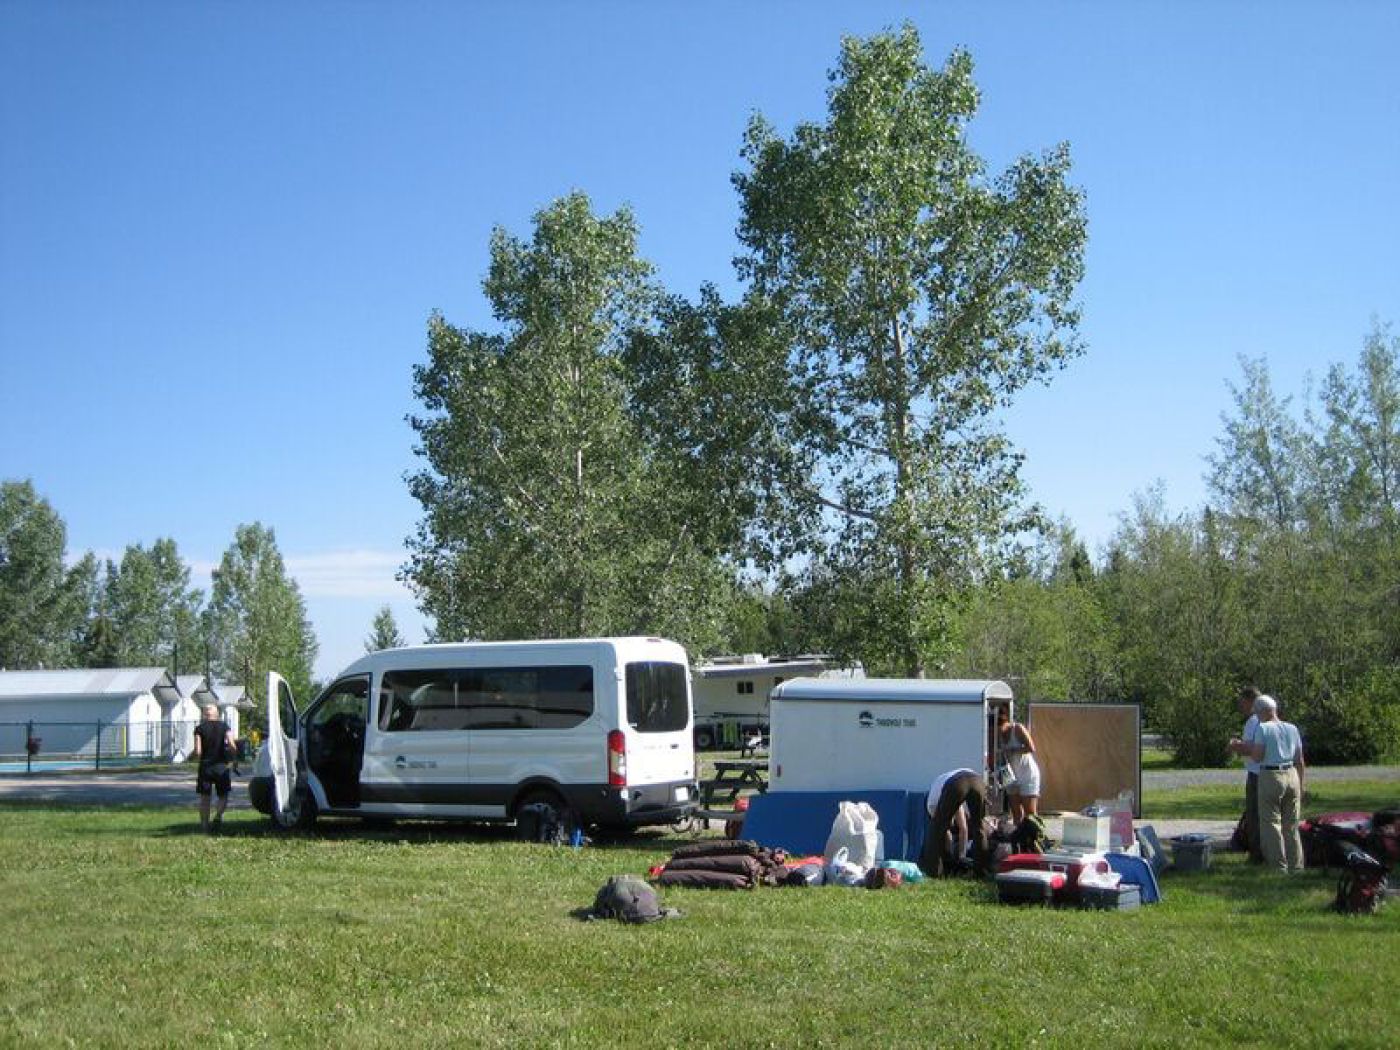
(1090,833)
(1123,897)
(1029,887)
(1191,853)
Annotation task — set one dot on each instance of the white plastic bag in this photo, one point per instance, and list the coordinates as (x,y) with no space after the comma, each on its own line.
(1091,877)
(856,830)
(840,871)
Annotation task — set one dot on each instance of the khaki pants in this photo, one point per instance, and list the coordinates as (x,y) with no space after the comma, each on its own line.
(1278,819)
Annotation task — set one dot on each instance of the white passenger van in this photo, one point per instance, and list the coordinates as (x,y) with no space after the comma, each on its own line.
(597,730)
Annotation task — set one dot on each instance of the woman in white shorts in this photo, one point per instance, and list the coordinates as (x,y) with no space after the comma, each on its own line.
(1018,748)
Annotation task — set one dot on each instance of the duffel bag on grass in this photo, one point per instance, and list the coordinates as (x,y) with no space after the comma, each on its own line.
(735,864)
(705,880)
(1324,836)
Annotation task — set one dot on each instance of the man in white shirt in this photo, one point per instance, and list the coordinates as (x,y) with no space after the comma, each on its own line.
(1278,748)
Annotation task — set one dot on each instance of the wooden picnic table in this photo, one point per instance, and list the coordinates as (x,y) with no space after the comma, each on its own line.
(732,776)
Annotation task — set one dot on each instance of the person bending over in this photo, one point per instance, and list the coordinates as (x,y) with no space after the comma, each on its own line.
(957,803)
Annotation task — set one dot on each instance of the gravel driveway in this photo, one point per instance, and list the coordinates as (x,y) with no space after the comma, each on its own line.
(114,789)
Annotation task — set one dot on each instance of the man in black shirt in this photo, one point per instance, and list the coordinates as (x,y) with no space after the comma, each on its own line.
(214,748)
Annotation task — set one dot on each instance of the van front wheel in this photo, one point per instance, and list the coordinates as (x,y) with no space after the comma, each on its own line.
(301,810)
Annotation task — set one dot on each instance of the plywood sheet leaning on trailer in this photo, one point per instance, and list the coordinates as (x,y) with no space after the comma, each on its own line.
(1087,752)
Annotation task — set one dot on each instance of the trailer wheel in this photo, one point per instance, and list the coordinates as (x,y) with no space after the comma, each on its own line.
(704,739)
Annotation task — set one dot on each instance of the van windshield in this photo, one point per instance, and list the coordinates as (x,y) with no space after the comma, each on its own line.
(657,701)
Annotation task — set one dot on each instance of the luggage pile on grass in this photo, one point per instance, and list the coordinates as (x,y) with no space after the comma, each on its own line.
(728,864)
(1365,846)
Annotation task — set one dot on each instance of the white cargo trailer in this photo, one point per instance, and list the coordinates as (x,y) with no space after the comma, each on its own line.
(881,734)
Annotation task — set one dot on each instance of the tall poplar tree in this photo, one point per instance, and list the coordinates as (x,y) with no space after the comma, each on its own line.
(919,294)
(257,619)
(545,510)
(43,604)
(154,613)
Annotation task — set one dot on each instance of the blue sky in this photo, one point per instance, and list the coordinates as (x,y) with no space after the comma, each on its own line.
(223,227)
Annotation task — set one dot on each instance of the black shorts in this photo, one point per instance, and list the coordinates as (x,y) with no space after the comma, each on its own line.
(214,778)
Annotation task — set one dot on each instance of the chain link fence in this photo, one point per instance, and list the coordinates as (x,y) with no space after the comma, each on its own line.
(39,745)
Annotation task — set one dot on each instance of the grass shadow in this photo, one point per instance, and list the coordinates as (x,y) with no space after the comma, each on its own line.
(412,832)
(1252,888)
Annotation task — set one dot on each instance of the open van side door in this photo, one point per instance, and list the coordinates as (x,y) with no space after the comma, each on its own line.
(282,748)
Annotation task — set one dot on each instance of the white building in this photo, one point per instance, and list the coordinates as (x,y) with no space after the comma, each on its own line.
(185,715)
(231,699)
(118,712)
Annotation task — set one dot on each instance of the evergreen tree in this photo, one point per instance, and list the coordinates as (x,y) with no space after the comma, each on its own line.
(384,632)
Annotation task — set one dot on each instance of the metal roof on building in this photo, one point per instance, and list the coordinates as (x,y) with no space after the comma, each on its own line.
(195,687)
(230,695)
(104,681)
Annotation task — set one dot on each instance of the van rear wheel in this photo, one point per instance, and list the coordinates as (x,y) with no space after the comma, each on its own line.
(551,810)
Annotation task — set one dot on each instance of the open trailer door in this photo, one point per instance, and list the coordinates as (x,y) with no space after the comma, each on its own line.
(1087,752)
(282,749)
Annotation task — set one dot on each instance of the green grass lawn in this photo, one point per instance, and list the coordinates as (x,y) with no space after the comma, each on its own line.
(1157,758)
(125,927)
(1226,801)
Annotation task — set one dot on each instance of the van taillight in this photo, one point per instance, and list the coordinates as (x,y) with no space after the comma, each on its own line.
(617,759)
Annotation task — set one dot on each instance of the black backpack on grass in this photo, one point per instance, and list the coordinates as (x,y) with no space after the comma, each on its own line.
(539,823)
(1362,887)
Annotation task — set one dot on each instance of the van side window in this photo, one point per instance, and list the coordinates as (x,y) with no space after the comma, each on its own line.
(486,698)
(417,700)
(656,697)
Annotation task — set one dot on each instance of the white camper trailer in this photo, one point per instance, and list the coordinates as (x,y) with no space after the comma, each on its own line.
(731,694)
(881,734)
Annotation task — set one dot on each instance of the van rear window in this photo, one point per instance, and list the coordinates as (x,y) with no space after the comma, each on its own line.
(656,698)
(486,698)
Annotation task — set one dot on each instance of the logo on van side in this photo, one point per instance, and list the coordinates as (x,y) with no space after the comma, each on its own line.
(418,763)
(869,721)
